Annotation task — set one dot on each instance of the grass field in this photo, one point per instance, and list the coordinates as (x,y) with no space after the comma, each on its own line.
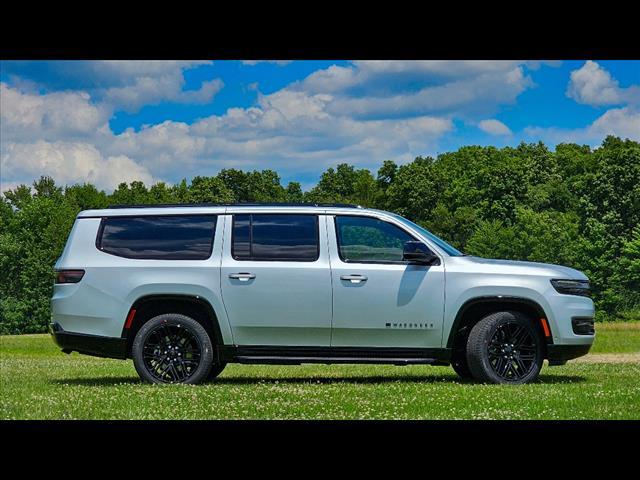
(40,382)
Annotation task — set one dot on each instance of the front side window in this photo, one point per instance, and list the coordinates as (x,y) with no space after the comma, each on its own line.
(449,249)
(275,237)
(161,237)
(369,240)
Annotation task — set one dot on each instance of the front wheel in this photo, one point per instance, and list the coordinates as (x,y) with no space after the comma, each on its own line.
(172,348)
(505,347)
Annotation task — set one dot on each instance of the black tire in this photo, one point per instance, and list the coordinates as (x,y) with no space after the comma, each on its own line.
(216,369)
(460,366)
(505,347)
(172,348)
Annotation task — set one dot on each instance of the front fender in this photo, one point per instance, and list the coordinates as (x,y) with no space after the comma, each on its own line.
(458,302)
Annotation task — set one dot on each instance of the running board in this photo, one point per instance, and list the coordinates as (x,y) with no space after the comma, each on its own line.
(296,355)
(274,360)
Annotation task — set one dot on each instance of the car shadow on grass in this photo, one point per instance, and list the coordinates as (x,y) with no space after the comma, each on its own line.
(367,380)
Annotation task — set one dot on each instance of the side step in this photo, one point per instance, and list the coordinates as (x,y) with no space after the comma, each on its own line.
(288,360)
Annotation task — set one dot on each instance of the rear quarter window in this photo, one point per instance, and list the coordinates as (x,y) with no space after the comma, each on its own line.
(158,237)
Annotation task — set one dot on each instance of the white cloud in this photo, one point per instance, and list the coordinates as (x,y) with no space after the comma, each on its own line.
(383,89)
(127,84)
(53,115)
(151,90)
(622,122)
(67,162)
(282,133)
(494,127)
(593,85)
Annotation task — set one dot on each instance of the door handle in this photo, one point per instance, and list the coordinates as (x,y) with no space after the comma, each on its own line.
(354,278)
(242,276)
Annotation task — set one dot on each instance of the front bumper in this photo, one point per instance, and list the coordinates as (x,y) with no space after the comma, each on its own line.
(96,345)
(559,354)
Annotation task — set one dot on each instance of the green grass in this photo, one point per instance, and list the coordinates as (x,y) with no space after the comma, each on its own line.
(39,382)
(617,337)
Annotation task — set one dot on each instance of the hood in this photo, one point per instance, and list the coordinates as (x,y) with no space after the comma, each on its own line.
(556,271)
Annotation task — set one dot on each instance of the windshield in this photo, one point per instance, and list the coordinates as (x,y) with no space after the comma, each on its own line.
(450,250)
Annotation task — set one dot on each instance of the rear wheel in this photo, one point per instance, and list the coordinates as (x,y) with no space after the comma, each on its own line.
(505,347)
(172,348)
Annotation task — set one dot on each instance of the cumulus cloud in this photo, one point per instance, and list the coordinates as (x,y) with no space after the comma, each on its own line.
(67,163)
(122,84)
(379,89)
(593,85)
(494,127)
(282,133)
(49,116)
(622,122)
(135,84)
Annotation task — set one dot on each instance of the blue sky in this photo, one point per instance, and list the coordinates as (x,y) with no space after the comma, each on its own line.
(107,122)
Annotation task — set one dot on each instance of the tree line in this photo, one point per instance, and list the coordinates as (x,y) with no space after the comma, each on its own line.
(574,206)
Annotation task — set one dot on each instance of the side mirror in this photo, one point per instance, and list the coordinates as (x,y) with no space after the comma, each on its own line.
(418,252)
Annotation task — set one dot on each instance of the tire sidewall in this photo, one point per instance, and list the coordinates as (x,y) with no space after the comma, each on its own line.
(478,354)
(195,328)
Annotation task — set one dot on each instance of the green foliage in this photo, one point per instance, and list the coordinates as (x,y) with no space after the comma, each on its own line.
(345,184)
(574,206)
(534,236)
(30,242)
(209,190)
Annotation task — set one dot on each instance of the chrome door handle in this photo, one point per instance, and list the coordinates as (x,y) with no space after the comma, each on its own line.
(242,276)
(354,278)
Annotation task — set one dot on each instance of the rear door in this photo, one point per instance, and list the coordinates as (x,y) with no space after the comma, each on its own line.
(379,300)
(276,281)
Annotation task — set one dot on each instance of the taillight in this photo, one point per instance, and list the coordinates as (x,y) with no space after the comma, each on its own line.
(69,276)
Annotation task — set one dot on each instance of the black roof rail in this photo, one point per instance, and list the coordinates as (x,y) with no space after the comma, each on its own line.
(254,204)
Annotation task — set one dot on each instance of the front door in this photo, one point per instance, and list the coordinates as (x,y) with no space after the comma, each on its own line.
(276,281)
(379,300)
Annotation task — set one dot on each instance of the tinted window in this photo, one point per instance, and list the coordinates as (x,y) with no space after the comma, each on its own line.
(454,252)
(362,239)
(275,237)
(176,237)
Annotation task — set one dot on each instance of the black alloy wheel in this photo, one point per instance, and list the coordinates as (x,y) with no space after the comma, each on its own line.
(512,351)
(172,348)
(505,347)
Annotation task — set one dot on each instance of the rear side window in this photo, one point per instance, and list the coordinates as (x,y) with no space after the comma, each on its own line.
(168,237)
(275,237)
(369,240)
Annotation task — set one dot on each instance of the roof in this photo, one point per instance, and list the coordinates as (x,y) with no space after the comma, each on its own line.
(249,204)
(204,208)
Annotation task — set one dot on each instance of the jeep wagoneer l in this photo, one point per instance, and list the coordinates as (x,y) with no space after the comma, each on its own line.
(184,290)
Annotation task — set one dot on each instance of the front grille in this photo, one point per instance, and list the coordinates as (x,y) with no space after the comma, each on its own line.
(583,326)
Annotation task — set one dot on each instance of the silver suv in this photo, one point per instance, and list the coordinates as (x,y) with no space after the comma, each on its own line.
(184,290)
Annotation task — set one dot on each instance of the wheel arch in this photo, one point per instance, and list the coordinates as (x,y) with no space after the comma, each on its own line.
(476,308)
(148,306)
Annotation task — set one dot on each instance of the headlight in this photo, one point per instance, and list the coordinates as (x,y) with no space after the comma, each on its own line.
(572,287)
